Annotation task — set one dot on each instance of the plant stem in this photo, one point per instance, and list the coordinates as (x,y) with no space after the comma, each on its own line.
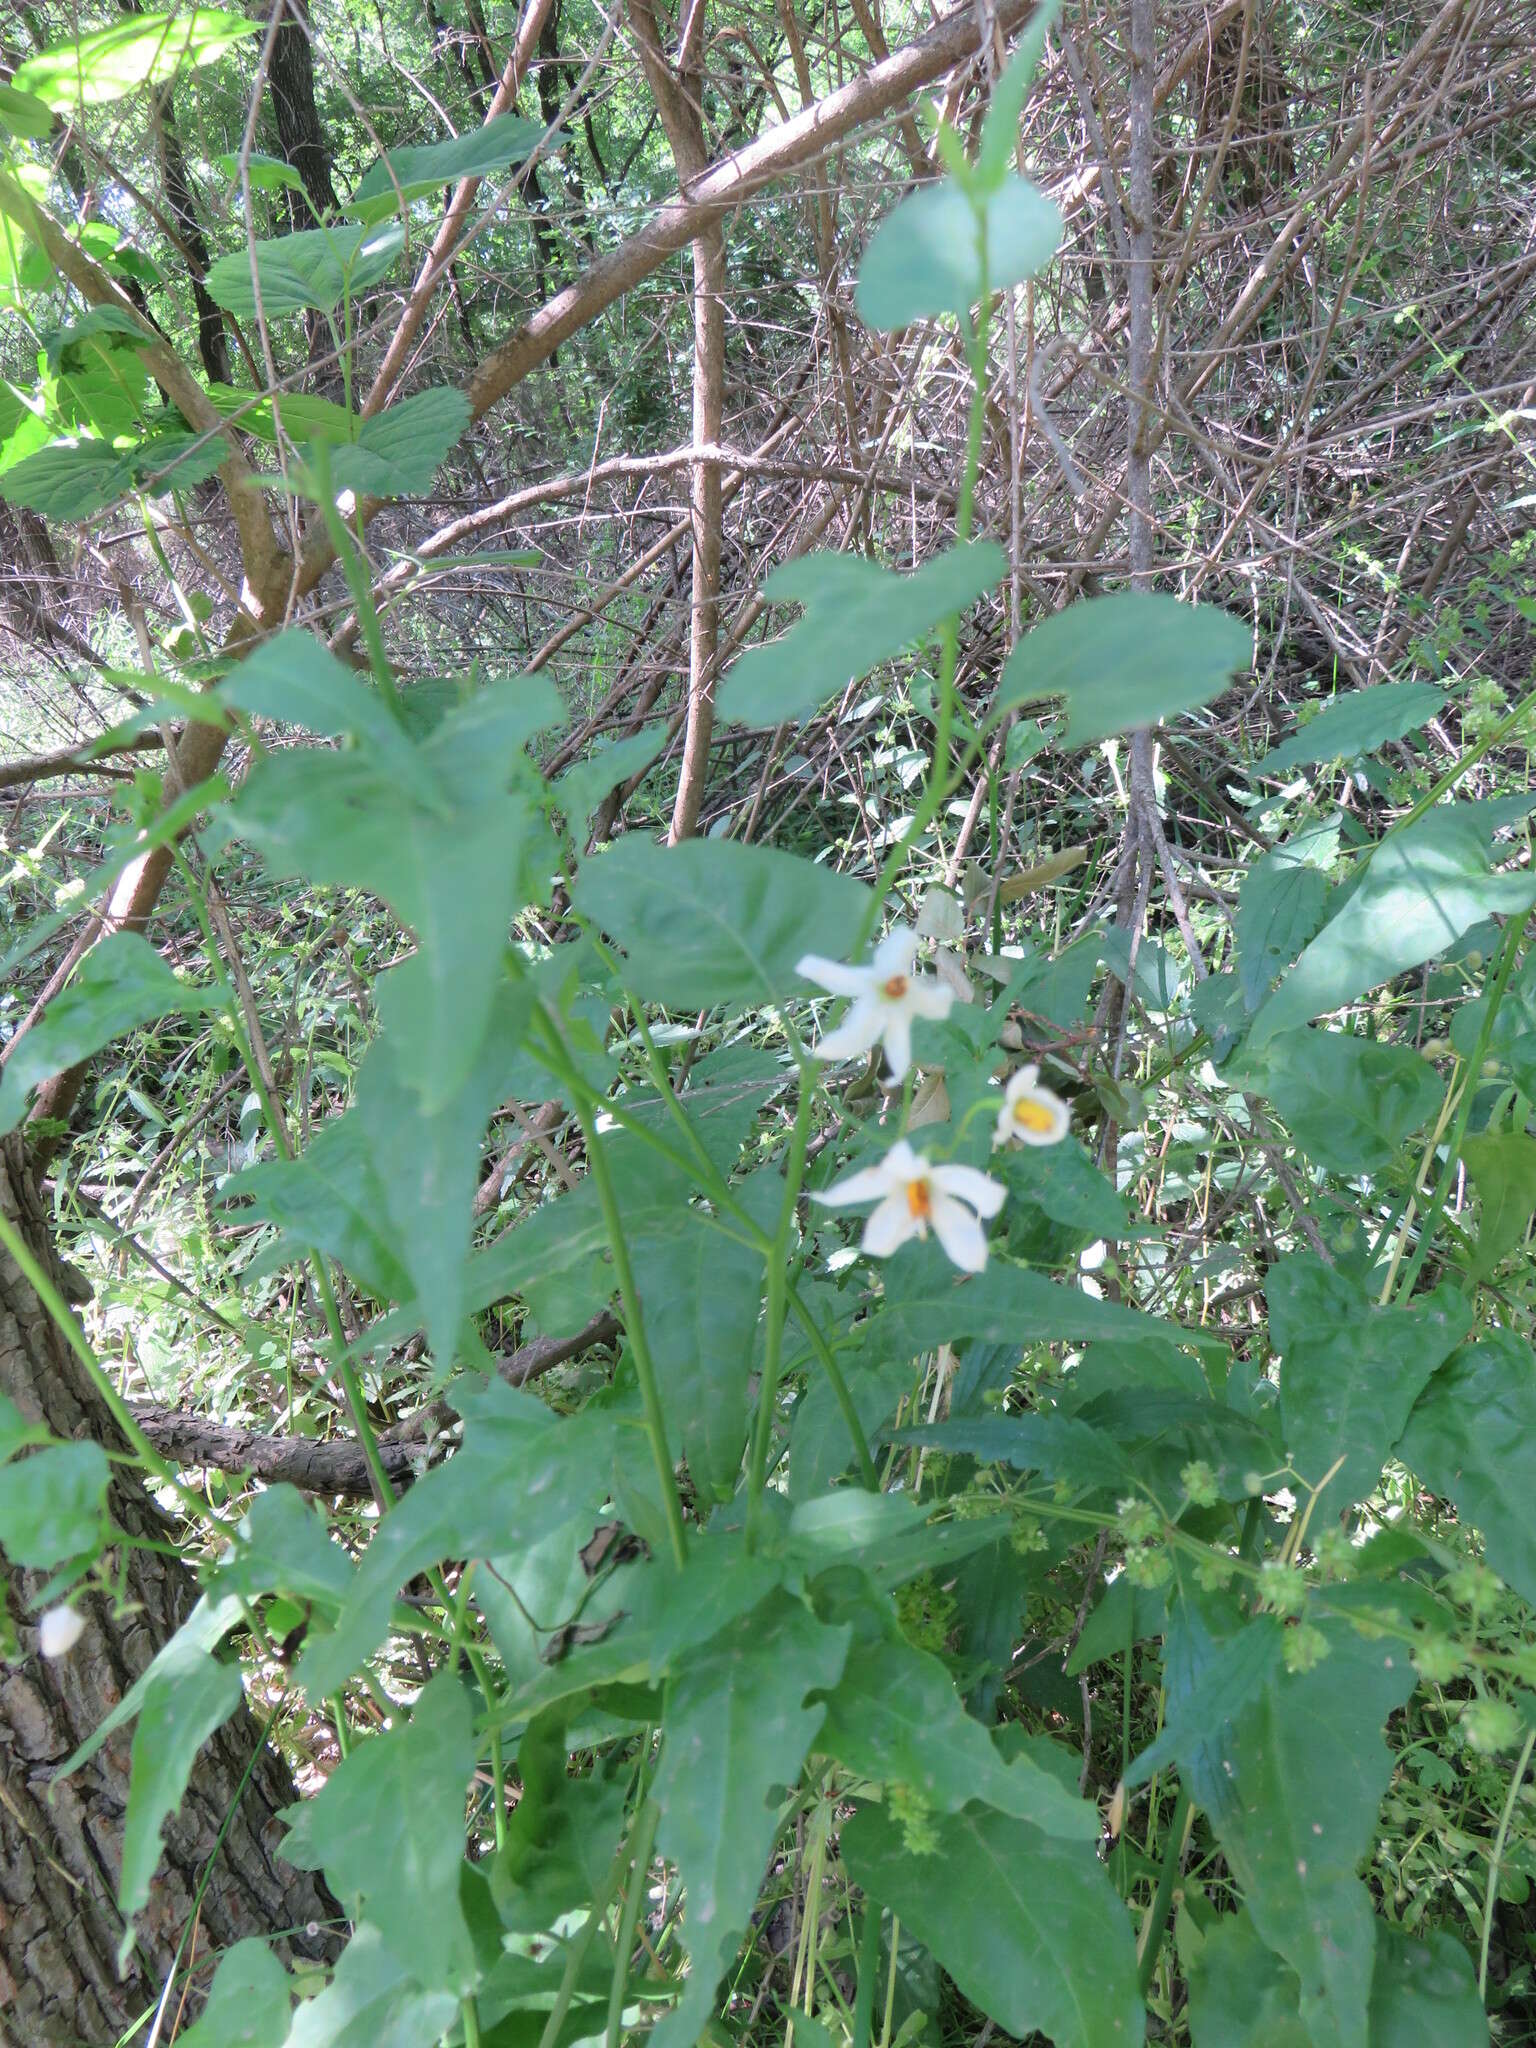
(1495,1861)
(643,1837)
(634,1323)
(1162,1900)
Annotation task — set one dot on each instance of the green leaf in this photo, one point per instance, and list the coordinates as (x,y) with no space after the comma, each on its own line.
(283,1545)
(699,1292)
(735,1727)
(1000,130)
(447,831)
(313,269)
(1292,1780)
(68,480)
(397,453)
(1280,906)
(924,259)
(1472,1438)
(521,1474)
(713,921)
(1348,1102)
(188,1700)
(1058,1447)
(1420,891)
(1350,1371)
(1503,1169)
(53,1505)
(895,1717)
(1356,722)
(330,1199)
(304,417)
(423,168)
(425,1159)
(1424,1993)
(857,614)
(578,792)
(1029,1926)
(106,65)
(248,2002)
(1125,661)
(1236,1673)
(21,113)
(387,1827)
(120,984)
(371,2002)
(266,173)
(66,347)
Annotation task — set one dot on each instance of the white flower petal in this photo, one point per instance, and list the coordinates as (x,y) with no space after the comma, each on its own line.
(903,1163)
(890,1226)
(1026,1077)
(897,1038)
(835,976)
(869,1184)
(1032,1114)
(929,998)
(985,1195)
(858,1031)
(959,1232)
(895,953)
(58,1631)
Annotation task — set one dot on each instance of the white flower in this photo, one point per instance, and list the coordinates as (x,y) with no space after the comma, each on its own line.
(914,1196)
(59,1630)
(887,996)
(1030,1113)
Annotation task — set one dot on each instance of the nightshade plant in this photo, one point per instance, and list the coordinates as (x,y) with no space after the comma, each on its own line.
(803,1452)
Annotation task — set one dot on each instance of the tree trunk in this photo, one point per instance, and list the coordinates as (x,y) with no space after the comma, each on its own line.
(60,1856)
(291,77)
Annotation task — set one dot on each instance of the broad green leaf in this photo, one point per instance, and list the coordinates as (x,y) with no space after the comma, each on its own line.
(735,1727)
(387,1827)
(16,1433)
(579,791)
(120,984)
(372,2002)
(1503,1169)
(397,453)
(857,614)
(53,1505)
(180,1709)
(1472,1438)
(1280,906)
(176,462)
(821,1445)
(1241,1994)
(282,1546)
(440,829)
(699,1293)
(146,49)
(295,678)
(68,480)
(23,430)
(521,1473)
(1000,130)
(330,1199)
(1348,1102)
(1062,1182)
(248,2002)
(1356,722)
(560,1839)
(925,257)
(315,268)
(1127,660)
(895,1717)
(266,173)
(1420,891)
(1005,1304)
(21,113)
(204,1628)
(1058,1447)
(1350,1371)
(1291,1781)
(1424,1993)
(425,1160)
(303,416)
(1029,1926)
(1238,1671)
(1162,1430)
(425,168)
(712,921)
(96,330)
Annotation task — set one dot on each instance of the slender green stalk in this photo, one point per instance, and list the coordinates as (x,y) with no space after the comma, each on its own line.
(1496,1860)
(634,1323)
(576,1955)
(777,1259)
(1162,1899)
(869,1970)
(643,1836)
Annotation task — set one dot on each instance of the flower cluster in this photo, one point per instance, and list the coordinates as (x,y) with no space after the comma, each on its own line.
(914,1194)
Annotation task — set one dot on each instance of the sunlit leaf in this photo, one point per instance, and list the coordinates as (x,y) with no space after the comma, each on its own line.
(315,268)
(1356,722)
(925,258)
(144,49)
(420,169)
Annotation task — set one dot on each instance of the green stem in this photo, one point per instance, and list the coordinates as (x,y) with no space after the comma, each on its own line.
(776,1260)
(577,1953)
(643,1837)
(1495,1861)
(634,1323)
(869,1970)
(1162,1900)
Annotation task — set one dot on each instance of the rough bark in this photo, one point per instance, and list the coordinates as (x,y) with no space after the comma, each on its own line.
(60,1854)
(211,343)
(291,78)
